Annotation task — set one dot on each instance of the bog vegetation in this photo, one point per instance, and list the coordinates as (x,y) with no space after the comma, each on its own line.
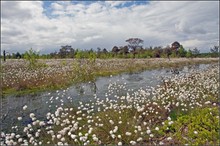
(33,75)
(183,110)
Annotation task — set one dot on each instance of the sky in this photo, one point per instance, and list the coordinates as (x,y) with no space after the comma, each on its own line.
(45,26)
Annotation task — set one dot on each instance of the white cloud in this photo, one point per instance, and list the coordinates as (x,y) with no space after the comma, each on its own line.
(91,38)
(115,3)
(106,24)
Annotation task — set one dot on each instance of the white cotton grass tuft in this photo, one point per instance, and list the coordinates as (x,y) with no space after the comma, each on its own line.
(24,107)
(19,118)
(77,126)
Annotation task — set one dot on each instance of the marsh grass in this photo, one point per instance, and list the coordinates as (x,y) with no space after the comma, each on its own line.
(172,116)
(19,77)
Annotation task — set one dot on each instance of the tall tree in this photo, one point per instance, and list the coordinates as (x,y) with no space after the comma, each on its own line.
(174,47)
(195,52)
(124,50)
(18,55)
(64,51)
(214,51)
(189,54)
(134,43)
(181,52)
(115,50)
(167,51)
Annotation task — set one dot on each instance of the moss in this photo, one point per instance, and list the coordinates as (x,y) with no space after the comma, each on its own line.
(200,127)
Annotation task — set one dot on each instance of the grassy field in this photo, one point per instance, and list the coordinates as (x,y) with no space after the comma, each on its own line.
(182,111)
(23,77)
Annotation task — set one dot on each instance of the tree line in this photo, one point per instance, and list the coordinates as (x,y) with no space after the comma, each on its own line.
(134,49)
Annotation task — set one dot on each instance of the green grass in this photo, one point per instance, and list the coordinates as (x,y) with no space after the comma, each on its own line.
(199,127)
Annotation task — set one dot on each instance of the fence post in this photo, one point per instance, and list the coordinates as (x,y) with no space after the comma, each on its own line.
(4,55)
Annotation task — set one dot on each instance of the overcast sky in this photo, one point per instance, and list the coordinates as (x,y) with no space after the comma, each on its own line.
(46,26)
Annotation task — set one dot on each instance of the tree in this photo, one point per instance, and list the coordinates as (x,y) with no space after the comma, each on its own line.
(124,50)
(175,45)
(115,50)
(181,52)
(72,52)
(189,54)
(214,51)
(65,50)
(31,56)
(167,51)
(134,43)
(195,52)
(18,55)
(99,52)
(105,51)
(174,48)
(157,51)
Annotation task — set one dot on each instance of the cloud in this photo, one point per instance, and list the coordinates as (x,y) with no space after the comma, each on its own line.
(91,38)
(115,3)
(104,24)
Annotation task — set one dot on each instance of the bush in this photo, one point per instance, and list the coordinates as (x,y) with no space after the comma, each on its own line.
(31,56)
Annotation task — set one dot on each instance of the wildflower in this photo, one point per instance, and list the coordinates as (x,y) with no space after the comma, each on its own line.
(18,136)
(20,140)
(62,139)
(79,118)
(169,138)
(58,136)
(32,115)
(195,132)
(169,118)
(157,128)
(128,133)
(132,142)
(113,136)
(207,102)
(25,107)
(110,132)
(171,122)
(148,131)
(112,122)
(161,143)
(73,136)
(41,123)
(37,134)
(59,143)
(116,129)
(95,138)
(139,139)
(119,136)
(120,143)
(19,118)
